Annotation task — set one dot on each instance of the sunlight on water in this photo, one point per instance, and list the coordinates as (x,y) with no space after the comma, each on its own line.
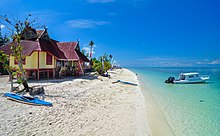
(190,109)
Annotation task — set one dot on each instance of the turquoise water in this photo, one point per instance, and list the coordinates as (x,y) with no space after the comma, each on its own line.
(190,109)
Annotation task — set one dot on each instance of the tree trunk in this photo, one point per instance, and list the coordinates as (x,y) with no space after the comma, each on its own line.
(25,84)
(11,79)
(23,77)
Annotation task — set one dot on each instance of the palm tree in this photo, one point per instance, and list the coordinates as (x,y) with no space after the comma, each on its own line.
(105,58)
(91,44)
(110,56)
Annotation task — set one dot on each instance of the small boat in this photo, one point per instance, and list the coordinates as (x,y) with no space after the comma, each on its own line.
(188,78)
(26,99)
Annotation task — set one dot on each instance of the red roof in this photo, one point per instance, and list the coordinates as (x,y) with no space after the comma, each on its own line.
(61,50)
(28,47)
(39,33)
(68,48)
(52,47)
(70,51)
(31,46)
(82,56)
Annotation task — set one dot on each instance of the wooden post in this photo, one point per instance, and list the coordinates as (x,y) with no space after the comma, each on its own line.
(48,74)
(35,74)
(38,74)
(82,71)
(38,65)
(54,71)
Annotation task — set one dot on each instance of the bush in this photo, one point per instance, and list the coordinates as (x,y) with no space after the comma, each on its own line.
(97,66)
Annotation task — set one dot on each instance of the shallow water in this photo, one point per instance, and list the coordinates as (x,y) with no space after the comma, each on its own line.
(190,109)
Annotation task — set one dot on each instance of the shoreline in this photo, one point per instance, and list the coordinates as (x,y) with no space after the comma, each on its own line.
(142,126)
(157,122)
(90,105)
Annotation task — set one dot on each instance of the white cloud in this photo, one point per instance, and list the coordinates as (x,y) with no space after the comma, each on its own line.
(208,62)
(84,23)
(2,26)
(156,59)
(100,1)
(200,63)
(173,61)
(215,62)
(88,50)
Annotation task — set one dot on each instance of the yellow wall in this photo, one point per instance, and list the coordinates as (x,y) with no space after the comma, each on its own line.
(42,61)
(32,61)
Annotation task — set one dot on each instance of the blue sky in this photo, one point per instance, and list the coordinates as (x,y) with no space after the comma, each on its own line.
(135,32)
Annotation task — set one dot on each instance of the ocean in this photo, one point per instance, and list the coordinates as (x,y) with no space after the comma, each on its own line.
(190,109)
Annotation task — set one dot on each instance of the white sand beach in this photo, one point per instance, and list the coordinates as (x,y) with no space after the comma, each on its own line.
(86,106)
(156,119)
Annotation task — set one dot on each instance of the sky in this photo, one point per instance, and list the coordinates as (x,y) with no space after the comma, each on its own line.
(138,33)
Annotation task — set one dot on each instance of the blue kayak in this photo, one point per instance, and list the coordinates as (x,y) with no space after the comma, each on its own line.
(26,99)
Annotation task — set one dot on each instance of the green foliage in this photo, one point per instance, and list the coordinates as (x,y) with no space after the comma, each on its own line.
(107,65)
(91,43)
(97,65)
(4,60)
(105,58)
(3,57)
(17,28)
(110,56)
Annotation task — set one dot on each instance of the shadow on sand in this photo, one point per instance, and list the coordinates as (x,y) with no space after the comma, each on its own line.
(49,82)
(124,82)
(64,79)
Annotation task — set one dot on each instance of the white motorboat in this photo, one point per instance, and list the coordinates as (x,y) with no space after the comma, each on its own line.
(190,78)
(187,78)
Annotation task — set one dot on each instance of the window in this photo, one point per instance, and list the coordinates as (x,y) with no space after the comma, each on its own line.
(191,76)
(182,77)
(23,61)
(49,59)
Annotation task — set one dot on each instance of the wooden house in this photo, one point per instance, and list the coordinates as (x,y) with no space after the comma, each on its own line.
(42,55)
(74,58)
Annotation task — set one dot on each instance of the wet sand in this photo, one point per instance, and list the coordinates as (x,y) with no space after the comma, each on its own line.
(157,121)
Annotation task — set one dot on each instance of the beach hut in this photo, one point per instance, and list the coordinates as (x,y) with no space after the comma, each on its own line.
(74,61)
(42,55)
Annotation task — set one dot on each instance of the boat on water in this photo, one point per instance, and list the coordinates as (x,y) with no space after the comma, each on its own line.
(26,99)
(188,78)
